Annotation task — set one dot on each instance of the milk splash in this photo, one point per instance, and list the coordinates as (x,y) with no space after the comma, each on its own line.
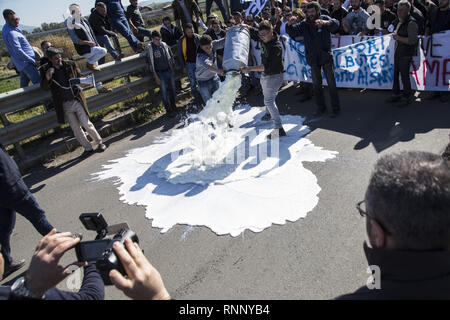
(227,179)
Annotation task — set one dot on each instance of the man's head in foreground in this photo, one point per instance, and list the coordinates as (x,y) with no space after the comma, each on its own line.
(407,202)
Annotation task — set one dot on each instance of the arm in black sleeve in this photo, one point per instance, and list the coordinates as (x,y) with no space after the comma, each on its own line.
(295,30)
(254,34)
(91,289)
(334,27)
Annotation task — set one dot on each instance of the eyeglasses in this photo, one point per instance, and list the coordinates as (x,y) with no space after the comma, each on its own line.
(364,213)
(263,35)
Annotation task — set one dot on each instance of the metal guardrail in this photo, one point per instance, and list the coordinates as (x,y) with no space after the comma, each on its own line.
(13,133)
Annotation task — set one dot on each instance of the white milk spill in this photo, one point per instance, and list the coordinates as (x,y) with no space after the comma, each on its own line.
(227,179)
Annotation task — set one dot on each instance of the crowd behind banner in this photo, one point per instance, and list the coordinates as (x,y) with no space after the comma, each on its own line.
(368,62)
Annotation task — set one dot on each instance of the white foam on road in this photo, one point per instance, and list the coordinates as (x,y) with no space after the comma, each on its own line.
(252,193)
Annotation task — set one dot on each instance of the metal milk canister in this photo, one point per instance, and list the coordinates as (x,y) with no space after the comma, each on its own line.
(237,47)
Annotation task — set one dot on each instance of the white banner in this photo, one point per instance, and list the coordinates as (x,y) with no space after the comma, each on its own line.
(255,7)
(368,62)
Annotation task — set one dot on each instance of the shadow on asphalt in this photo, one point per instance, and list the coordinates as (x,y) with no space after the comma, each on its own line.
(367,116)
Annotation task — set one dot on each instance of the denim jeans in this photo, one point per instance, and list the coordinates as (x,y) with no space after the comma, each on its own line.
(104,42)
(328,69)
(144,32)
(121,25)
(167,80)
(401,68)
(190,68)
(26,205)
(95,55)
(30,73)
(221,8)
(270,86)
(208,87)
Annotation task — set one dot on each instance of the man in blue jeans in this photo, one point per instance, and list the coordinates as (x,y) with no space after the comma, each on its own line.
(188,46)
(20,50)
(102,30)
(316,29)
(15,196)
(162,65)
(206,68)
(272,68)
(117,19)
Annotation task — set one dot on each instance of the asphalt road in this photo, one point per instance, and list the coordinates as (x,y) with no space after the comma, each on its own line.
(318,257)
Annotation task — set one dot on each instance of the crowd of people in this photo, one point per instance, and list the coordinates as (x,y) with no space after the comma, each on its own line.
(408,198)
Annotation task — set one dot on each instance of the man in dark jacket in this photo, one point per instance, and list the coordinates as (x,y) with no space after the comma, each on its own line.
(405,34)
(187,47)
(136,21)
(102,31)
(170,34)
(70,103)
(315,30)
(16,197)
(408,225)
(272,68)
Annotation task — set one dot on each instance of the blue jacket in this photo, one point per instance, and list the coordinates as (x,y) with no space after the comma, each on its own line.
(317,41)
(18,47)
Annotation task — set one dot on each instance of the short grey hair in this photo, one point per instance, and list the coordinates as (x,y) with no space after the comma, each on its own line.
(404,3)
(409,194)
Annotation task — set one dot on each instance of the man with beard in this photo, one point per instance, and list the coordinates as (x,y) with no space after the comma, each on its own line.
(356,20)
(316,31)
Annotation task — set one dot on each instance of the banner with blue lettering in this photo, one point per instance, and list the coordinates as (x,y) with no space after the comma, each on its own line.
(370,63)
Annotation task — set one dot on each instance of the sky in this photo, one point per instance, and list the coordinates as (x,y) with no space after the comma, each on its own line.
(35,12)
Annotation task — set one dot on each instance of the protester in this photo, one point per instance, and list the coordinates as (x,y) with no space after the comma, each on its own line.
(45,272)
(316,31)
(102,31)
(136,21)
(70,103)
(440,21)
(356,20)
(117,19)
(272,68)
(339,13)
(387,18)
(170,34)
(85,42)
(189,44)
(325,7)
(20,50)
(16,197)
(430,8)
(216,33)
(406,37)
(184,12)
(206,72)
(44,46)
(162,66)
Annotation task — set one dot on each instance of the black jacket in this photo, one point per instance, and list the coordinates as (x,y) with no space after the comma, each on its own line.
(100,25)
(9,177)
(317,41)
(407,275)
(271,53)
(170,37)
